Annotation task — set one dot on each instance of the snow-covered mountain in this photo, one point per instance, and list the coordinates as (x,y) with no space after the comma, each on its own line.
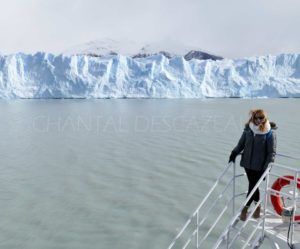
(103,48)
(109,47)
(44,75)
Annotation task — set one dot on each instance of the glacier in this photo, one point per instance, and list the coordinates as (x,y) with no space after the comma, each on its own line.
(45,75)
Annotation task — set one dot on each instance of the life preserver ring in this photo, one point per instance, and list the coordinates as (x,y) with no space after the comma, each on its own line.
(275,197)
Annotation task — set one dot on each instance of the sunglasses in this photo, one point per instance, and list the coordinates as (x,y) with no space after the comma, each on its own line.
(261,118)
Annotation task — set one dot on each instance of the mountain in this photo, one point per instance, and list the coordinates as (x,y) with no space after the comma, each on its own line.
(109,47)
(44,75)
(103,48)
(193,54)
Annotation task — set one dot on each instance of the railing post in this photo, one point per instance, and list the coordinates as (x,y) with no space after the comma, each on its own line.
(227,238)
(294,207)
(197,231)
(265,203)
(233,203)
(233,190)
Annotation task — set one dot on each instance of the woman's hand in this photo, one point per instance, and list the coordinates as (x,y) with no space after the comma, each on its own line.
(232,157)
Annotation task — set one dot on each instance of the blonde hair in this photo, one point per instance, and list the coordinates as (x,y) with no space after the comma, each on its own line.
(258,112)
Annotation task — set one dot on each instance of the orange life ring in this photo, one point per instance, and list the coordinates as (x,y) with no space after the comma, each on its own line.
(275,197)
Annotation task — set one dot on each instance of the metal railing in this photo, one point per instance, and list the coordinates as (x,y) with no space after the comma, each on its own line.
(230,233)
(196,213)
(245,223)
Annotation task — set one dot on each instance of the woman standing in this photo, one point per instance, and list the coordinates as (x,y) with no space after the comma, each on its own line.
(258,147)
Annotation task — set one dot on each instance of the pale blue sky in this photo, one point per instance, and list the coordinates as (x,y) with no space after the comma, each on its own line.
(230,28)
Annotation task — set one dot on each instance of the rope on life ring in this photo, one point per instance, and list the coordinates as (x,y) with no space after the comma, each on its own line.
(275,197)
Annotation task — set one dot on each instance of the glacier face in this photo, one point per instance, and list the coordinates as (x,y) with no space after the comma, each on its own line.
(45,75)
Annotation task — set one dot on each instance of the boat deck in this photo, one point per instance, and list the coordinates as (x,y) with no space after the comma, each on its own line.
(277,230)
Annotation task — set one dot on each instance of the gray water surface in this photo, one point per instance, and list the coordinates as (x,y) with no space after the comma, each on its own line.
(117,174)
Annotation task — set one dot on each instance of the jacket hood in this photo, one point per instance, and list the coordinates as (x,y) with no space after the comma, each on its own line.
(255,129)
(272,124)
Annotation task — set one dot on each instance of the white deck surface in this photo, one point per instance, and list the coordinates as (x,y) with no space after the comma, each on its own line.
(277,230)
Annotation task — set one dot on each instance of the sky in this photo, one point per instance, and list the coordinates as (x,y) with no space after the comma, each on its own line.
(229,28)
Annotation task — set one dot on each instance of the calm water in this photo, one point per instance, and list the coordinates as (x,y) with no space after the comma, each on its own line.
(117,173)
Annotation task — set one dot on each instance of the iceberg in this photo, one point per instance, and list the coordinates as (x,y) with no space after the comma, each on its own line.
(45,75)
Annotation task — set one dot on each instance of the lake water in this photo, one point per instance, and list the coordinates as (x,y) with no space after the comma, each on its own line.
(117,174)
